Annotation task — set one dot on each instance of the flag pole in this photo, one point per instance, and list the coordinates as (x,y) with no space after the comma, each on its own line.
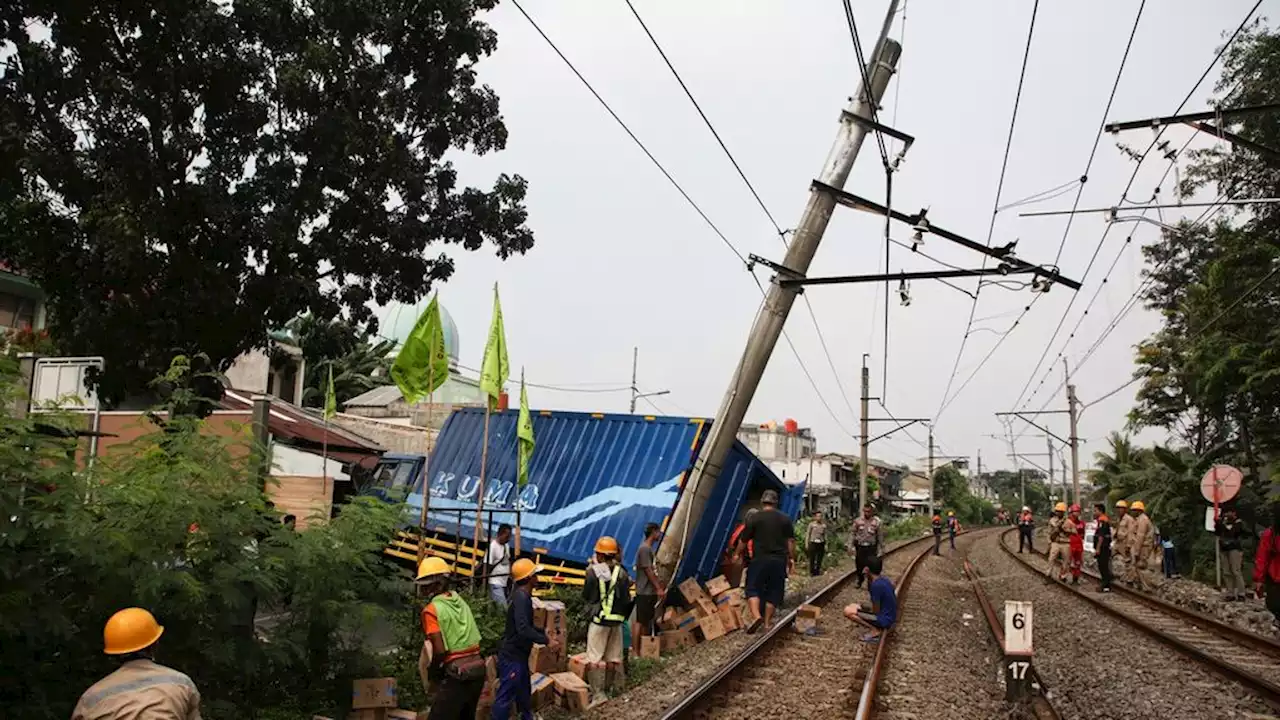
(484,468)
(519,487)
(426,481)
(324,464)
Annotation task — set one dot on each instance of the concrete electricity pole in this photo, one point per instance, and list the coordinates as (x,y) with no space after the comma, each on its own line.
(777,305)
(635,389)
(1048,441)
(866,424)
(930,470)
(1073,413)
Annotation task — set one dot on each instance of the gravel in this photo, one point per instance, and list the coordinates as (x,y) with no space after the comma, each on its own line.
(942,627)
(1100,668)
(681,672)
(1250,614)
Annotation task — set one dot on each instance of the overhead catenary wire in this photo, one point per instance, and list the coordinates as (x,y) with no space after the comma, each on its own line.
(1133,177)
(1004,167)
(754,193)
(1199,331)
(688,199)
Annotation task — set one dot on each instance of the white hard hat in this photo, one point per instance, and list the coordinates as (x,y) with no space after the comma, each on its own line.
(1026,509)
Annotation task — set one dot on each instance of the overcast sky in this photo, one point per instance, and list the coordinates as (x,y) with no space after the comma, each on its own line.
(622,261)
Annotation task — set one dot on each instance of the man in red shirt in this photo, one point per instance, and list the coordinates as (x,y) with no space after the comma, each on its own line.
(1266,569)
(1075,542)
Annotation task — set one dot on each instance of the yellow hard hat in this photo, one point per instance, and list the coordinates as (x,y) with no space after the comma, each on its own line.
(431,567)
(1122,504)
(607,546)
(523,568)
(1060,507)
(1137,505)
(129,631)
(951,513)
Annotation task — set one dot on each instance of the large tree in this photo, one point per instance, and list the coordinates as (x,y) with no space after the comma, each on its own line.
(182,177)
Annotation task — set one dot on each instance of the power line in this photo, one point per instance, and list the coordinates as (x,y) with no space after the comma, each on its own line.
(632,135)
(1132,178)
(1256,286)
(759,201)
(1004,167)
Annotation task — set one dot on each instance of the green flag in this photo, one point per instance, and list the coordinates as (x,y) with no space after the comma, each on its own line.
(422,365)
(330,399)
(495,370)
(524,435)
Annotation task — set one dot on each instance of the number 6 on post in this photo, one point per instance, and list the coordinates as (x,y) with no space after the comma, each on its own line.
(1017,650)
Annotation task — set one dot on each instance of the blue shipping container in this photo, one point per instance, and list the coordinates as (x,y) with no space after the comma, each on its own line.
(591,475)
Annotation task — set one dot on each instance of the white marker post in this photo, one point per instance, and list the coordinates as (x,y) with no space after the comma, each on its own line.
(1017,650)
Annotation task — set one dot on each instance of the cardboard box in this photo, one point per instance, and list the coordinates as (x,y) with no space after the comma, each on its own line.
(809,611)
(578,665)
(735,597)
(401,715)
(651,647)
(705,607)
(731,618)
(690,590)
(683,621)
(710,627)
(572,693)
(717,585)
(373,693)
(545,661)
(677,639)
(549,615)
(804,624)
(544,691)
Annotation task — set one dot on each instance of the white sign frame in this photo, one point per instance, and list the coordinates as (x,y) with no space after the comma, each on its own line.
(1018,618)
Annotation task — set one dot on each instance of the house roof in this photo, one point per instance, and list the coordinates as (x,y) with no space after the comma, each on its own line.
(307,429)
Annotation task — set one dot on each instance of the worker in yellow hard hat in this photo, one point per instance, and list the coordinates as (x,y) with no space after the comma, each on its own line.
(1120,543)
(607,592)
(515,684)
(450,660)
(140,689)
(1059,551)
(1139,544)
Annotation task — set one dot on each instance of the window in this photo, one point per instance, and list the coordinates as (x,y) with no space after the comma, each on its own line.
(17,311)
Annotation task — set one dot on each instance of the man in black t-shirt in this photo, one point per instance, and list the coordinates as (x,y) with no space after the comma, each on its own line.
(773,540)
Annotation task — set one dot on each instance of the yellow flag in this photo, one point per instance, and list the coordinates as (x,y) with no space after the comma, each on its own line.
(495,370)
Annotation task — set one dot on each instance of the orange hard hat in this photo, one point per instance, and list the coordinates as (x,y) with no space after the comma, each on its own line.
(129,631)
(1060,507)
(1122,504)
(607,546)
(1138,505)
(523,568)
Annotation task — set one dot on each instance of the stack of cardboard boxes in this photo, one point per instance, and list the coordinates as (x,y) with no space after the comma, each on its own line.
(553,681)
(714,611)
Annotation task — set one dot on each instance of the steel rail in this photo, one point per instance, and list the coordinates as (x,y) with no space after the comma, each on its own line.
(1041,705)
(1268,690)
(700,691)
(866,701)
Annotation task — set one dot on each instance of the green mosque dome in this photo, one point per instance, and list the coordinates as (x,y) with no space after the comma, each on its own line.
(396,321)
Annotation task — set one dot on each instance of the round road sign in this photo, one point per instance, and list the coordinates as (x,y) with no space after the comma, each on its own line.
(1226,479)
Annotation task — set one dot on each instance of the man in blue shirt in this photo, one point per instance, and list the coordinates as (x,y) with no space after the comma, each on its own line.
(883,611)
(514,681)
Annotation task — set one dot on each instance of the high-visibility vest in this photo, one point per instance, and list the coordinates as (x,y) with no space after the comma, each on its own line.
(607,593)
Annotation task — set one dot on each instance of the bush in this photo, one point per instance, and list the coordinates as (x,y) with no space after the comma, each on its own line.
(177,523)
(906,528)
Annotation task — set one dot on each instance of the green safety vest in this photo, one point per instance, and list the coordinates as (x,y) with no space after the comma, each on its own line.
(607,593)
(457,625)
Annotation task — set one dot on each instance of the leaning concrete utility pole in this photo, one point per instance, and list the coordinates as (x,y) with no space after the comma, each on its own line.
(777,305)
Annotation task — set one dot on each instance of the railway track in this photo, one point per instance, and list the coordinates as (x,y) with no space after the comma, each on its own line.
(1250,659)
(786,674)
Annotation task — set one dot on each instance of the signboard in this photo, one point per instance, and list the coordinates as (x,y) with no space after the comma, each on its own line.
(1225,479)
(1018,675)
(1210,518)
(1017,627)
(62,383)
(1090,529)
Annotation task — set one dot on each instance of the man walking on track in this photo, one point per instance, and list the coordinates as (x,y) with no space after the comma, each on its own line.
(953,527)
(1139,542)
(1102,546)
(1026,529)
(774,538)
(868,540)
(1230,531)
(815,543)
(1058,551)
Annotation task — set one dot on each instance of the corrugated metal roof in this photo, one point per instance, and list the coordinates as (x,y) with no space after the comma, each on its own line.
(592,474)
(377,397)
(306,428)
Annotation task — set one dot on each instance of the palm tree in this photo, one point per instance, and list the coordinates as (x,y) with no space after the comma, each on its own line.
(362,369)
(1112,470)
